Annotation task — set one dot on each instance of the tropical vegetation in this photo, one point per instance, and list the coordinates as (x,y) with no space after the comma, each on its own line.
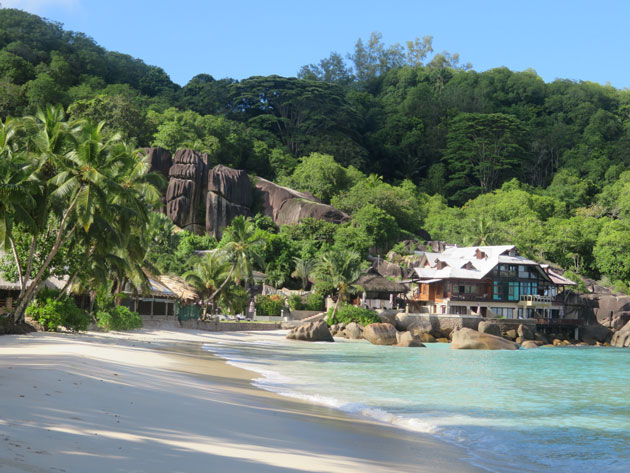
(412,144)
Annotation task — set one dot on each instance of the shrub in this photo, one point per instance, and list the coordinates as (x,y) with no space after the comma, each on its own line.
(349,313)
(295,302)
(269,305)
(314,301)
(118,318)
(52,314)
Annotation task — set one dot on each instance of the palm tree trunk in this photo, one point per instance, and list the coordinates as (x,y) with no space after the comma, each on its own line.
(17,263)
(31,291)
(223,283)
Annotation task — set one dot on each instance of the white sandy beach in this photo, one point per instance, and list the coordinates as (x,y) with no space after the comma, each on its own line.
(153,401)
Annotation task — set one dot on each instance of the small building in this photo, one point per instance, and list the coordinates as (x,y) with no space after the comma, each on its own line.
(167,295)
(378,291)
(489,281)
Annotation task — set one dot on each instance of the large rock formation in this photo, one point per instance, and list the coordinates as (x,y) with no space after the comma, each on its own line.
(380,334)
(407,339)
(186,189)
(287,206)
(229,195)
(311,332)
(160,160)
(621,338)
(486,326)
(469,339)
(202,199)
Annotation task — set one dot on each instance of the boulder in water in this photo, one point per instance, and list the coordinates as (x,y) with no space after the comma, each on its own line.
(469,339)
(380,334)
(311,332)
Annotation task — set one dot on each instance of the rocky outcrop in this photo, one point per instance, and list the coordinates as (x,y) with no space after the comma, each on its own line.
(492,328)
(524,332)
(288,207)
(160,160)
(229,195)
(469,339)
(186,189)
(529,344)
(407,339)
(202,199)
(621,338)
(353,331)
(388,316)
(311,332)
(416,325)
(592,334)
(380,334)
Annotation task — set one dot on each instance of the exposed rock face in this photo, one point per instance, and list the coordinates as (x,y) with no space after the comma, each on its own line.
(621,338)
(511,334)
(380,334)
(469,339)
(160,160)
(407,339)
(427,338)
(202,199)
(603,308)
(529,344)
(311,332)
(486,326)
(186,188)
(388,316)
(229,195)
(524,332)
(287,206)
(353,331)
(592,334)
(417,325)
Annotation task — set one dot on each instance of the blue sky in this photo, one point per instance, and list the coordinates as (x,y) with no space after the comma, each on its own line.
(579,40)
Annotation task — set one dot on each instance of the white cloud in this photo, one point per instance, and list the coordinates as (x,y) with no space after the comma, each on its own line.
(37,6)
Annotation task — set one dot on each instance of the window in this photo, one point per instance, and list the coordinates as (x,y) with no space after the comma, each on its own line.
(513,292)
(458,310)
(496,291)
(506,312)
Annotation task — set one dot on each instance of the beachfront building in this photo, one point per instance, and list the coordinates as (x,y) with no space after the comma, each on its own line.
(489,281)
(378,292)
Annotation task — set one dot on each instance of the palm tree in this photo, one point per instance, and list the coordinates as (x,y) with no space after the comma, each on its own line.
(210,276)
(17,182)
(303,269)
(337,270)
(86,189)
(242,248)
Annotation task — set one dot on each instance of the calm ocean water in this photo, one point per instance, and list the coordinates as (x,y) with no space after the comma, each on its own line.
(544,410)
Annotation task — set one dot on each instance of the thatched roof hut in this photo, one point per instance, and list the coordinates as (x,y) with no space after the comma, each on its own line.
(374,283)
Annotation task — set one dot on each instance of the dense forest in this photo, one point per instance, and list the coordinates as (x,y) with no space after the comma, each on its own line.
(405,140)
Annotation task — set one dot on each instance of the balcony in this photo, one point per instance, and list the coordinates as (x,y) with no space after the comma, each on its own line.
(471,297)
(535,301)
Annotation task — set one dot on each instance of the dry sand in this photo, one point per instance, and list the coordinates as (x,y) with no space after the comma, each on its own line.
(152,401)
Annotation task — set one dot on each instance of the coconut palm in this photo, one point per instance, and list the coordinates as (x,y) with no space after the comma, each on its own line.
(303,269)
(210,276)
(336,271)
(242,248)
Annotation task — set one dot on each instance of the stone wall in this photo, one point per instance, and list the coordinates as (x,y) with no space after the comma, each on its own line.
(172,322)
(229,326)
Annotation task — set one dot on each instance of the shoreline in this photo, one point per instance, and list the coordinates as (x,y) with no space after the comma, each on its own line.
(155,401)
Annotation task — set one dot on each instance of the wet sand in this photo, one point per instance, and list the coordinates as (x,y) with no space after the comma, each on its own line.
(153,401)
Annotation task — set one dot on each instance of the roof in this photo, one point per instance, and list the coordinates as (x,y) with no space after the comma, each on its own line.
(374,282)
(50,283)
(472,262)
(177,287)
(557,278)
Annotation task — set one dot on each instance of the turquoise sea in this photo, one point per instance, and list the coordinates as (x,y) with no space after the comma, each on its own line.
(544,410)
